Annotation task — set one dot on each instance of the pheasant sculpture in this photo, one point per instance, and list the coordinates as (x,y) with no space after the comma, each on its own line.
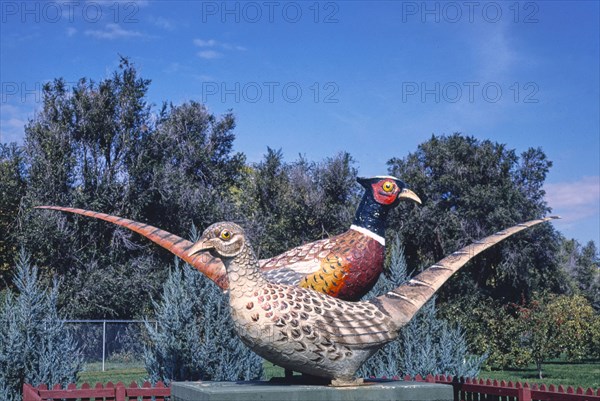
(311,332)
(345,266)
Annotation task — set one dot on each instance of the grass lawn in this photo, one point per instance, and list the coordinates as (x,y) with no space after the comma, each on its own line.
(585,374)
(113,372)
(134,371)
(271,370)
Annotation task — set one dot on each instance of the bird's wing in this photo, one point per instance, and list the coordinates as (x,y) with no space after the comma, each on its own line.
(328,274)
(293,266)
(362,328)
(350,324)
(360,324)
(301,258)
(203,261)
(327,265)
(283,275)
(403,302)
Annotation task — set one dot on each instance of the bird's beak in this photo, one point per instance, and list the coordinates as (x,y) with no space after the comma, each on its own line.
(408,194)
(201,245)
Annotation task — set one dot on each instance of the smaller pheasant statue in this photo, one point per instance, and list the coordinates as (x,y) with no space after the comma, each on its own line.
(313,333)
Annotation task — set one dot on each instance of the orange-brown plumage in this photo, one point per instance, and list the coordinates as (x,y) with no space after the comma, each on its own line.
(335,265)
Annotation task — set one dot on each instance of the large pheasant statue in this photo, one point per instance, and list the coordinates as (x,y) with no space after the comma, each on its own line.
(311,332)
(345,266)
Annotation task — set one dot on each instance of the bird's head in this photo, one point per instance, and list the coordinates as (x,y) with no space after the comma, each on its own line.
(225,239)
(388,190)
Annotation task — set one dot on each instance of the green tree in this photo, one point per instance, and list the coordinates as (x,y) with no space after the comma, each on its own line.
(80,149)
(587,274)
(266,203)
(12,188)
(582,265)
(35,345)
(287,204)
(595,337)
(471,188)
(187,169)
(553,325)
(491,328)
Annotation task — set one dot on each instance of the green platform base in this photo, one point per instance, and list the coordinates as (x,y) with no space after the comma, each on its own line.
(265,391)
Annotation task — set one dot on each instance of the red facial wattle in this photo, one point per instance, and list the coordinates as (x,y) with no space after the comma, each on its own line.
(383,197)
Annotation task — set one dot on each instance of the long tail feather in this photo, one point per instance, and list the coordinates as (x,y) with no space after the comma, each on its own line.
(204,262)
(403,302)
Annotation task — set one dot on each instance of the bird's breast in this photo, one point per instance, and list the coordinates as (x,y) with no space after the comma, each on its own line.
(286,326)
(350,269)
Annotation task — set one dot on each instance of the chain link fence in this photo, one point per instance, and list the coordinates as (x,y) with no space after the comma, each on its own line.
(109,340)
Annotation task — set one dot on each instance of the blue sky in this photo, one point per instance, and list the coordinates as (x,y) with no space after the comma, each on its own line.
(315,78)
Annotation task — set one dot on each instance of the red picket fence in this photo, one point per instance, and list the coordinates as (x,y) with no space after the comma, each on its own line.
(483,390)
(464,390)
(110,392)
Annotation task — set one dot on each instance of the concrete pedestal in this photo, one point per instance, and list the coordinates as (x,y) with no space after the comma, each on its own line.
(266,391)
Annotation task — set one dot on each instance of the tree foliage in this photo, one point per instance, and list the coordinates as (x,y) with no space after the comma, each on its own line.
(187,168)
(583,266)
(492,329)
(80,149)
(35,345)
(553,325)
(13,183)
(288,204)
(471,189)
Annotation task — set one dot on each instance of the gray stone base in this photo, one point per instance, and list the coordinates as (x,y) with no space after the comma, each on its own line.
(266,391)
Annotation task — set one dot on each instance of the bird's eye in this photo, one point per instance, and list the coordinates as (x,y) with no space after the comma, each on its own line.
(388,186)
(225,235)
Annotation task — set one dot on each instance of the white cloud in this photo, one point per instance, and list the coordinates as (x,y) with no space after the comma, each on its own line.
(209,54)
(113,31)
(575,200)
(209,46)
(205,43)
(71,31)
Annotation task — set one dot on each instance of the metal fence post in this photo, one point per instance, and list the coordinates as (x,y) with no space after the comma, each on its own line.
(87,338)
(103,343)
